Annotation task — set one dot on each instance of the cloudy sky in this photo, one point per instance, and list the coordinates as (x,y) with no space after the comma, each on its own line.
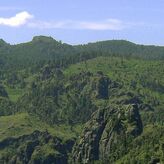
(82,21)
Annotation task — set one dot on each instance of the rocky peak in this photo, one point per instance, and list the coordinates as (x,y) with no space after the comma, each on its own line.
(106,135)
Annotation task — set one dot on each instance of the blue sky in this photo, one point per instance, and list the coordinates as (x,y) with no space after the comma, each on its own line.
(82,21)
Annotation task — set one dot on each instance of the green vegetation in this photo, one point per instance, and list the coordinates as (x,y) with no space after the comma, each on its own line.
(14,93)
(146,148)
(21,124)
(101,102)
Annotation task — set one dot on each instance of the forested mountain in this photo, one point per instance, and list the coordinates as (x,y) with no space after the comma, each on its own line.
(124,48)
(96,103)
(43,48)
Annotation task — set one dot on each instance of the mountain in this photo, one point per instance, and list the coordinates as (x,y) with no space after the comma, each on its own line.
(43,48)
(97,103)
(124,48)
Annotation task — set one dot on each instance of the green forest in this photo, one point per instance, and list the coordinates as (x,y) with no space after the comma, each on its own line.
(96,103)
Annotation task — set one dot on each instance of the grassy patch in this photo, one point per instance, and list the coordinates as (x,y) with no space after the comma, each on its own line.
(14,94)
(20,124)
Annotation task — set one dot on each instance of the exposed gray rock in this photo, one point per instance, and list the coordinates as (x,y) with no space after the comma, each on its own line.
(107,134)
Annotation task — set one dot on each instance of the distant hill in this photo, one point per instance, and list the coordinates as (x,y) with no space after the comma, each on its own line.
(39,49)
(124,48)
(43,48)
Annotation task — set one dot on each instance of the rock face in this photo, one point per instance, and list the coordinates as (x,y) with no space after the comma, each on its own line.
(88,146)
(3,92)
(66,100)
(102,83)
(36,148)
(107,134)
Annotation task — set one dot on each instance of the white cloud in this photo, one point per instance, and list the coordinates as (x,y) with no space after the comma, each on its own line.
(110,24)
(25,18)
(18,20)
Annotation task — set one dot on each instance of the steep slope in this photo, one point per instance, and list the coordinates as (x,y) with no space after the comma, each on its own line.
(146,148)
(37,147)
(26,139)
(58,99)
(118,100)
(41,48)
(107,135)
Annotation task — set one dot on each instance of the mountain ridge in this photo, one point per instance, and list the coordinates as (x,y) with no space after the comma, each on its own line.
(95,103)
(52,38)
(43,49)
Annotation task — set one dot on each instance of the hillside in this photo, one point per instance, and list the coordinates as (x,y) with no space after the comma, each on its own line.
(97,103)
(124,48)
(42,49)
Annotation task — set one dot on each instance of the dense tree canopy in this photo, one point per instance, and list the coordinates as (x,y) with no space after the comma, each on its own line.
(109,93)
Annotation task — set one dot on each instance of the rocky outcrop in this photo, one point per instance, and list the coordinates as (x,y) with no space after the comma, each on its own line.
(107,134)
(3,92)
(37,147)
(102,82)
(87,148)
